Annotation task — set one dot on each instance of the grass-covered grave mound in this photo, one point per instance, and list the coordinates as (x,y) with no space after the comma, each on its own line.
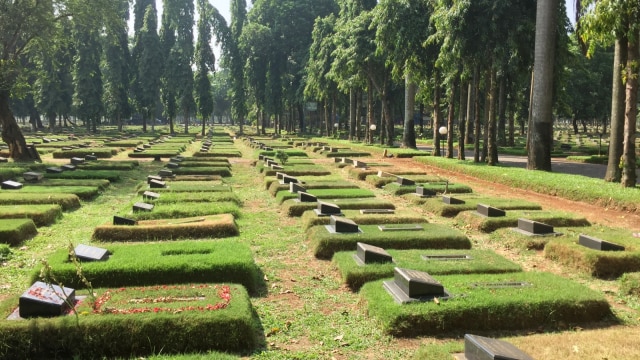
(42,215)
(99,152)
(549,217)
(14,231)
(182,210)
(111,175)
(294,208)
(207,196)
(83,192)
(175,262)
(388,179)
(484,302)
(434,262)
(188,186)
(365,217)
(299,170)
(275,186)
(66,201)
(605,264)
(208,226)
(127,322)
(437,187)
(222,171)
(102,184)
(437,206)
(431,236)
(284,195)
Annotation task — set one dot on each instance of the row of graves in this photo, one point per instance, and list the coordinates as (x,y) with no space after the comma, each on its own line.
(37,195)
(165,273)
(421,278)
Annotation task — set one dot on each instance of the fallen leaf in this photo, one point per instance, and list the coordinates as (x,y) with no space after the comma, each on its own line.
(339,337)
(266,278)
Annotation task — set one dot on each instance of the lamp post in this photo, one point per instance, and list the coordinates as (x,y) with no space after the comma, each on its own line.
(599,144)
(335,129)
(443,132)
(372,128)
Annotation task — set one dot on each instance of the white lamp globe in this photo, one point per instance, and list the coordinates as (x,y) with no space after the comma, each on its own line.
(373,127)
(443,130)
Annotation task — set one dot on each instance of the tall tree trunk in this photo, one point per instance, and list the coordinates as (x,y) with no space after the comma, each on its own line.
(186,121)
(409,133)
(437,117)
(333,114)
(542,122)
(476,115)
(464,118)
(512,127)
(353,112)
(502,111)
(492,147)
(485,125)
(327,110)
(614,172)
(370,113)
(388,118)
(451,117)
(12,135)
(629,176)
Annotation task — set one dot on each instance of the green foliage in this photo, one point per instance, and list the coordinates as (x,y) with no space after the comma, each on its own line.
(190,186)
(210,197)
(5,252)
(309,183)
(202,170)
(282,156)
(478,262)
(630,284)
(101,153)
(549,301)
(433,236)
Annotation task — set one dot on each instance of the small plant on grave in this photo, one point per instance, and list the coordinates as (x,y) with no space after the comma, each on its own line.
(282,156)
(5,252)
(46,274)
(80,273)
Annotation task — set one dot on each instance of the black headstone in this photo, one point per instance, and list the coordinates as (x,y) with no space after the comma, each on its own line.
(46,300)
(11,185)
(280,175)
(138,150)
(32,176)
(306,197)
(360,164)
(142,206)
(153,177)
(346,160)
(296,188)
(489,211)
(146,146)
(271,162)
(173,165)
(176,159)
(90,253)
(165,173)
(77,161)
(155,184)
(369,254)
(90,157)
(534,227)
(260,157)
(68,167)
(416,283)
(451,200)
(598,244)
(54,170)
(483,348)
(325,208)
(342,225)
(150,195)
(422,192)
(119,220)
(404,181)
(276,167)
(289,179)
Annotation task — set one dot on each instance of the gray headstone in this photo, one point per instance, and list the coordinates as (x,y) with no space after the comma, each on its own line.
(342,225)
(404,181)
(449,200)
(369,254)
(142,206)
(304,196)
(119,220)
(445,257)
(54,170)
(165,173)
(153,177)
(360,164)
(90,157)
(295,188)
(325,208)
(276,167)
(377,211)
(280,175)
(534,227)
(32,176)
(422,192)
(146,146)
(150,195)
(90,253)
(416,283)
(44,300)
(176,159)
(400,227)
(68,167)
(289,179)
(483,348)
(155,184)
(138,150)
(489,211)
(598,244)
(77,161)
(173,165)
(11,185)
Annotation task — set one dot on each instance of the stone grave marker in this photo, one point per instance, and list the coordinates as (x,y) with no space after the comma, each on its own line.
(138,150)
(119,220)
(345,160)
(377,211)
(484,348)
(77,161)
(286,179)
(280,175)
(424,193)
(261,157)
(3,159)
(90,253)
(413,285)
(165,173)
(400,227)
(326,209)
(172,165)
(304,196)
(11,185)
(489,211)
(404,181)
(446,257)
(340,225)
(90,157)
(295,188)
(276,167)
(598,244)
(176,159)
(32,176)
(450,200)
(146,146)
(54,170)
(271,162)
(142,206)
(45,140)
(384,174)
(266,148)
(369,254)
(44,300)
(153,177)
(68,167)
(360,164)
(150,195)
(155,184)
(530,227)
